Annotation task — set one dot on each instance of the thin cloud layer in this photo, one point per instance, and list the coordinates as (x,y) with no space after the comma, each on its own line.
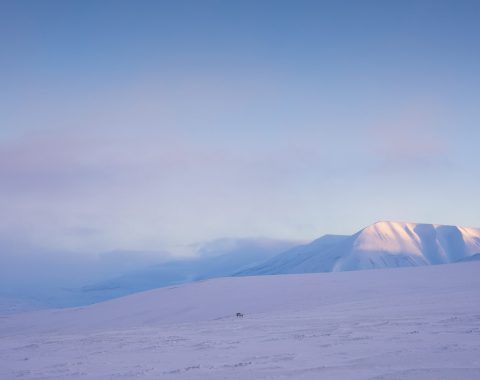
(196,123)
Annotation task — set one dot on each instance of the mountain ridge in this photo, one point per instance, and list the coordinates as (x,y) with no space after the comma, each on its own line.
(384,244)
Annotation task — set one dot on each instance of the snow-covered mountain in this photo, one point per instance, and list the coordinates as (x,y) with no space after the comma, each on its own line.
(380,245)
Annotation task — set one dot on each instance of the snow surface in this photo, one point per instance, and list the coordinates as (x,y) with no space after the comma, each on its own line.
(380,245)
(407,323)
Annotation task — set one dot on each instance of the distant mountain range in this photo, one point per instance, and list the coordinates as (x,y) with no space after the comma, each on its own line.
(380,245)
(217,258)
(119,273)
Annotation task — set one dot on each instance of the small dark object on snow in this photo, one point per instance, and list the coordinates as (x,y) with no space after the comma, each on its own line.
(239,315)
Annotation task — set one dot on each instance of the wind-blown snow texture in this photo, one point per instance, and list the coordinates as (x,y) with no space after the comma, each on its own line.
(407,323)
(381,245)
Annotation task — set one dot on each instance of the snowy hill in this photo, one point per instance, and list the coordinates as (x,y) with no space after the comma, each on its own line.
(217,258)
(406,323)
(381,245)
(55,280)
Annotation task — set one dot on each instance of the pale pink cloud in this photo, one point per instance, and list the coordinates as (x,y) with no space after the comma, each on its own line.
(410,139)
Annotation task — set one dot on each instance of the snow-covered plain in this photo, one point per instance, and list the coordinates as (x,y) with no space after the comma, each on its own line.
(407,323)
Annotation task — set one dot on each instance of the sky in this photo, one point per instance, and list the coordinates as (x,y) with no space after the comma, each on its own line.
(155,125)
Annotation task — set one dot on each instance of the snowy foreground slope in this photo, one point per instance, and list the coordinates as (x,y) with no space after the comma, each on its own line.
(407,323)
(380,245)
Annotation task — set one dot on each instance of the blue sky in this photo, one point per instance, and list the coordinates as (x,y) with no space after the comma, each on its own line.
(153,125)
